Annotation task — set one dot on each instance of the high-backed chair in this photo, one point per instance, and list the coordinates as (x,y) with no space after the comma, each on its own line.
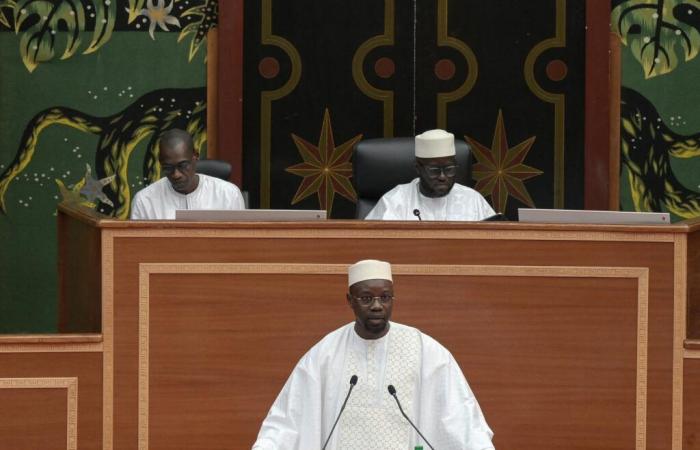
(380,164)
(215,168)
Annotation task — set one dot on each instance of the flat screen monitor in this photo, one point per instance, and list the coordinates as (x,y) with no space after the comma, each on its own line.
(599,217)
(250,215)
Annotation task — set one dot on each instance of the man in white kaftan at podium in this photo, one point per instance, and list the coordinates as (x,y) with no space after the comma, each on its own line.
(375,353)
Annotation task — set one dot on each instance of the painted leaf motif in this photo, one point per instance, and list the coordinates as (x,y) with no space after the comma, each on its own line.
(6,8)
(204,17)
(134,9)
(39,20)
(661,34)
(105,18)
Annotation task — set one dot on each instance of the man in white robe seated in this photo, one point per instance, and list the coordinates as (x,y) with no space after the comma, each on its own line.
(375,353)
(434,195)
(182,187)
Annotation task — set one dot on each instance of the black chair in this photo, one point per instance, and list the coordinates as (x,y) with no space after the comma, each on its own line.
(215,168)
(378,165)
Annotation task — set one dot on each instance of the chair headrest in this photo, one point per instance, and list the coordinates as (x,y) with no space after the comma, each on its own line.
(381,164)
(215,168)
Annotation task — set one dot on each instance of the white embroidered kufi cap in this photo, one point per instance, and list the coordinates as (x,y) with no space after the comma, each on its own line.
(369,269)
(435,144)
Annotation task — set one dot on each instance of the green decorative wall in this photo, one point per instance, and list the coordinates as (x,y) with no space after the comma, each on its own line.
(660,114)
(86,87)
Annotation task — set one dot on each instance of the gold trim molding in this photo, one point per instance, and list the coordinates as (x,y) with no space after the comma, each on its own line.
(70,384)
(384,96)
(459,234)
(267,97)
(444,40)
(558,100)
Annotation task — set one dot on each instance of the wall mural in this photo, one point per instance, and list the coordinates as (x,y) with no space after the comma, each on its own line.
(660,124)
(88,86)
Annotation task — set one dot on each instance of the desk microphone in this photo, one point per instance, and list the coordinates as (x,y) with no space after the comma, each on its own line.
(416,212)
(392,392)
(353,382)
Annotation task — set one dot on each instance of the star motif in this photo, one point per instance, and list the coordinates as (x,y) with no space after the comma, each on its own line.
(326,168)
(158,14)
(500,171)
(72,194)
(92,188)
(85,191)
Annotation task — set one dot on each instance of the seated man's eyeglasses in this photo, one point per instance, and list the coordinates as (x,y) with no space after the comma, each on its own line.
(367,300)
(181,167)
(435,171)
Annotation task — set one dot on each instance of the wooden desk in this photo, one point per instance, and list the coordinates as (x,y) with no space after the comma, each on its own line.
(571,336)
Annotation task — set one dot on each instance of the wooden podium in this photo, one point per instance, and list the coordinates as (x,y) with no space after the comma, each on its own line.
(571,336)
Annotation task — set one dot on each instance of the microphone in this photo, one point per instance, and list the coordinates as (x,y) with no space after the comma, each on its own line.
(392,392)
(353,382)
(416,212)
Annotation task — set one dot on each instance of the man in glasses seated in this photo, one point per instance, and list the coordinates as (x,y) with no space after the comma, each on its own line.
(182,187)
(434,195)
(380,359)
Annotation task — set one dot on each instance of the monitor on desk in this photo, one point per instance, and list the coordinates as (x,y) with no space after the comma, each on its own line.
(595,217)
(250,215)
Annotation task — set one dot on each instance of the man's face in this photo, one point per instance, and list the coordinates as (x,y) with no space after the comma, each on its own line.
(179,165)
(371,301)
(437,175)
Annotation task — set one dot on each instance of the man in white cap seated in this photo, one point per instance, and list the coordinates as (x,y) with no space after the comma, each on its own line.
(373,353)
(434,195)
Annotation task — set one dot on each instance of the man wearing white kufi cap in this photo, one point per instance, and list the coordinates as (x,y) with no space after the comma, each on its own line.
(372,353)
(434,195)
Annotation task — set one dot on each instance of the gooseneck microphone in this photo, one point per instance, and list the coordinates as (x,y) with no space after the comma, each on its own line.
(353,382)
(392,392)
(416,212)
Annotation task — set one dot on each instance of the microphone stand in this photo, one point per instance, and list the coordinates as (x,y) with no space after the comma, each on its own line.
(353,382)
(392,392)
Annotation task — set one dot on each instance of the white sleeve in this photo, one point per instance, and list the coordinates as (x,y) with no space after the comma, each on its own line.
(485,209)
(450,416)
(294,420)
(385,209)
(138,210)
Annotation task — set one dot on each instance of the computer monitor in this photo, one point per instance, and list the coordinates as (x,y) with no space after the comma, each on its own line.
(597,217)
(250,215)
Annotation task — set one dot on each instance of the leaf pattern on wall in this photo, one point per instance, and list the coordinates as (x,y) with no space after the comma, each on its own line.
(6,9)
(647,147)
(661,34)
(119,135)
(50,29)
(134,9)
(39,21)
(205,17)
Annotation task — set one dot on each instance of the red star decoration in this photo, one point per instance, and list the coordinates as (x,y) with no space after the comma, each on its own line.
(500,171)
(326,168)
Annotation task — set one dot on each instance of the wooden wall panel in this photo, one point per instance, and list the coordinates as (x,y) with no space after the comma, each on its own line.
(570,357)
(693,325)
(33,418)
(79,281)
(691,404)
(397,248)
(36,418)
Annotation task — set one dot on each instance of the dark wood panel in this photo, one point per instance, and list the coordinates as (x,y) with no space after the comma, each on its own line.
(79,271)
(36,418)
(691,404)
(693,286)
(656,256)
(33,419)
(551,359)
